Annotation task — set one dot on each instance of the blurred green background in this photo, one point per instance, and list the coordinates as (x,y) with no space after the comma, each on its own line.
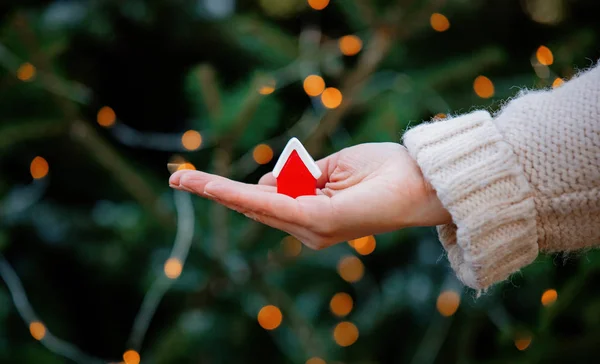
(97,97)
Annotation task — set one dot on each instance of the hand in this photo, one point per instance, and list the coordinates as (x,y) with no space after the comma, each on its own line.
(366,189)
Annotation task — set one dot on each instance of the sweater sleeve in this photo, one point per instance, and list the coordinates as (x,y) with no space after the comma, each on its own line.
(525,180)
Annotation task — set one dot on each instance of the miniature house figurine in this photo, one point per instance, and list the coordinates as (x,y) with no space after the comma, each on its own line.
(296,172)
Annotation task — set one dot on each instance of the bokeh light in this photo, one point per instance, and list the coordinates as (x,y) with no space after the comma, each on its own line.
(267,88)
(439,22)
(331,97)
(315,360)
(483,87)
(26,72)
(522,341)
(365,245)
(440,116)
(341,304)
(37,330)
(269,317)
(345,333)
(291,246)
(350,45)
(262,154)
(447,303)
(549,297)
(544,56)
(191,140)
(106,117)
(558,82)
(318,4)
(351,269)
(39,168)
(314,85)
(186,165)
(131,357)
(173,268)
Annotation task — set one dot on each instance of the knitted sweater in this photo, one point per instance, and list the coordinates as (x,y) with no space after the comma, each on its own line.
(523,181)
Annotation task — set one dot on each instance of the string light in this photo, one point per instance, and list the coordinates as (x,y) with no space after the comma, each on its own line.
(483,87)
(314,85)
(291,246)
(544,56)
(37,330)
(39,168)
(364,246)
(191,140)
(447,303)
(350,45)
(269,317)
(267,88)
(106,117)
(186,165)
(262,154)
(318,4)
(549,297)
(173,268)
(341,304)
(131,357)
(315,360)
(331,97)
(345,333)
(558,82)
(26,72)
(523,341)
(439,22)
(351,269)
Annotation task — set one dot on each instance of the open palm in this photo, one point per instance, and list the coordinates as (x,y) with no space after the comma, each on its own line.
(366,189)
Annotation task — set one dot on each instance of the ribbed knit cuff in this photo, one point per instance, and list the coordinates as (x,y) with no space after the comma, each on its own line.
(478,179)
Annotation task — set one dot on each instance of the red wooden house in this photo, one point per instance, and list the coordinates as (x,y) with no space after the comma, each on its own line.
(296,172)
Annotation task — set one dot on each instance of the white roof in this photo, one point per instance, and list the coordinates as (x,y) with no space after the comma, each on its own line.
(294,144)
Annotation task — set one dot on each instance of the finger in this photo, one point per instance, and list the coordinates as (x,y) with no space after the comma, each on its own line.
(268,180)
(257,200)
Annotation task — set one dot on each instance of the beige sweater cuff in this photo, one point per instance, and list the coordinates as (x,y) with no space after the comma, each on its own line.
(478,179)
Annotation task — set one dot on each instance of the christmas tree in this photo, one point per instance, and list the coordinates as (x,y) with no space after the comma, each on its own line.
(102,262)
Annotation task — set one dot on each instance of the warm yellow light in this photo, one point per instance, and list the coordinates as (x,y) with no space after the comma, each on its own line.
(350,45)
(331,97)
(549,297)
(131,357)
(37,330)
(557,82)
(544,56)
(39,168)
(269,317)
(318,4)
(267,88)
(351,269)
(439,22)
(341,304)
(523,341)
(315,360)
(447,303)
(173,268)
(106,117)
(191,140)
(483,87)
(364,245)
(262,154)
(314,85)
(440,116)
(186,165)
(291,246)
(345,333)
(26,72)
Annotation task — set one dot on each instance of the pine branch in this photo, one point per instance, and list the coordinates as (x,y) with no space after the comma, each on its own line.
(24,131)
